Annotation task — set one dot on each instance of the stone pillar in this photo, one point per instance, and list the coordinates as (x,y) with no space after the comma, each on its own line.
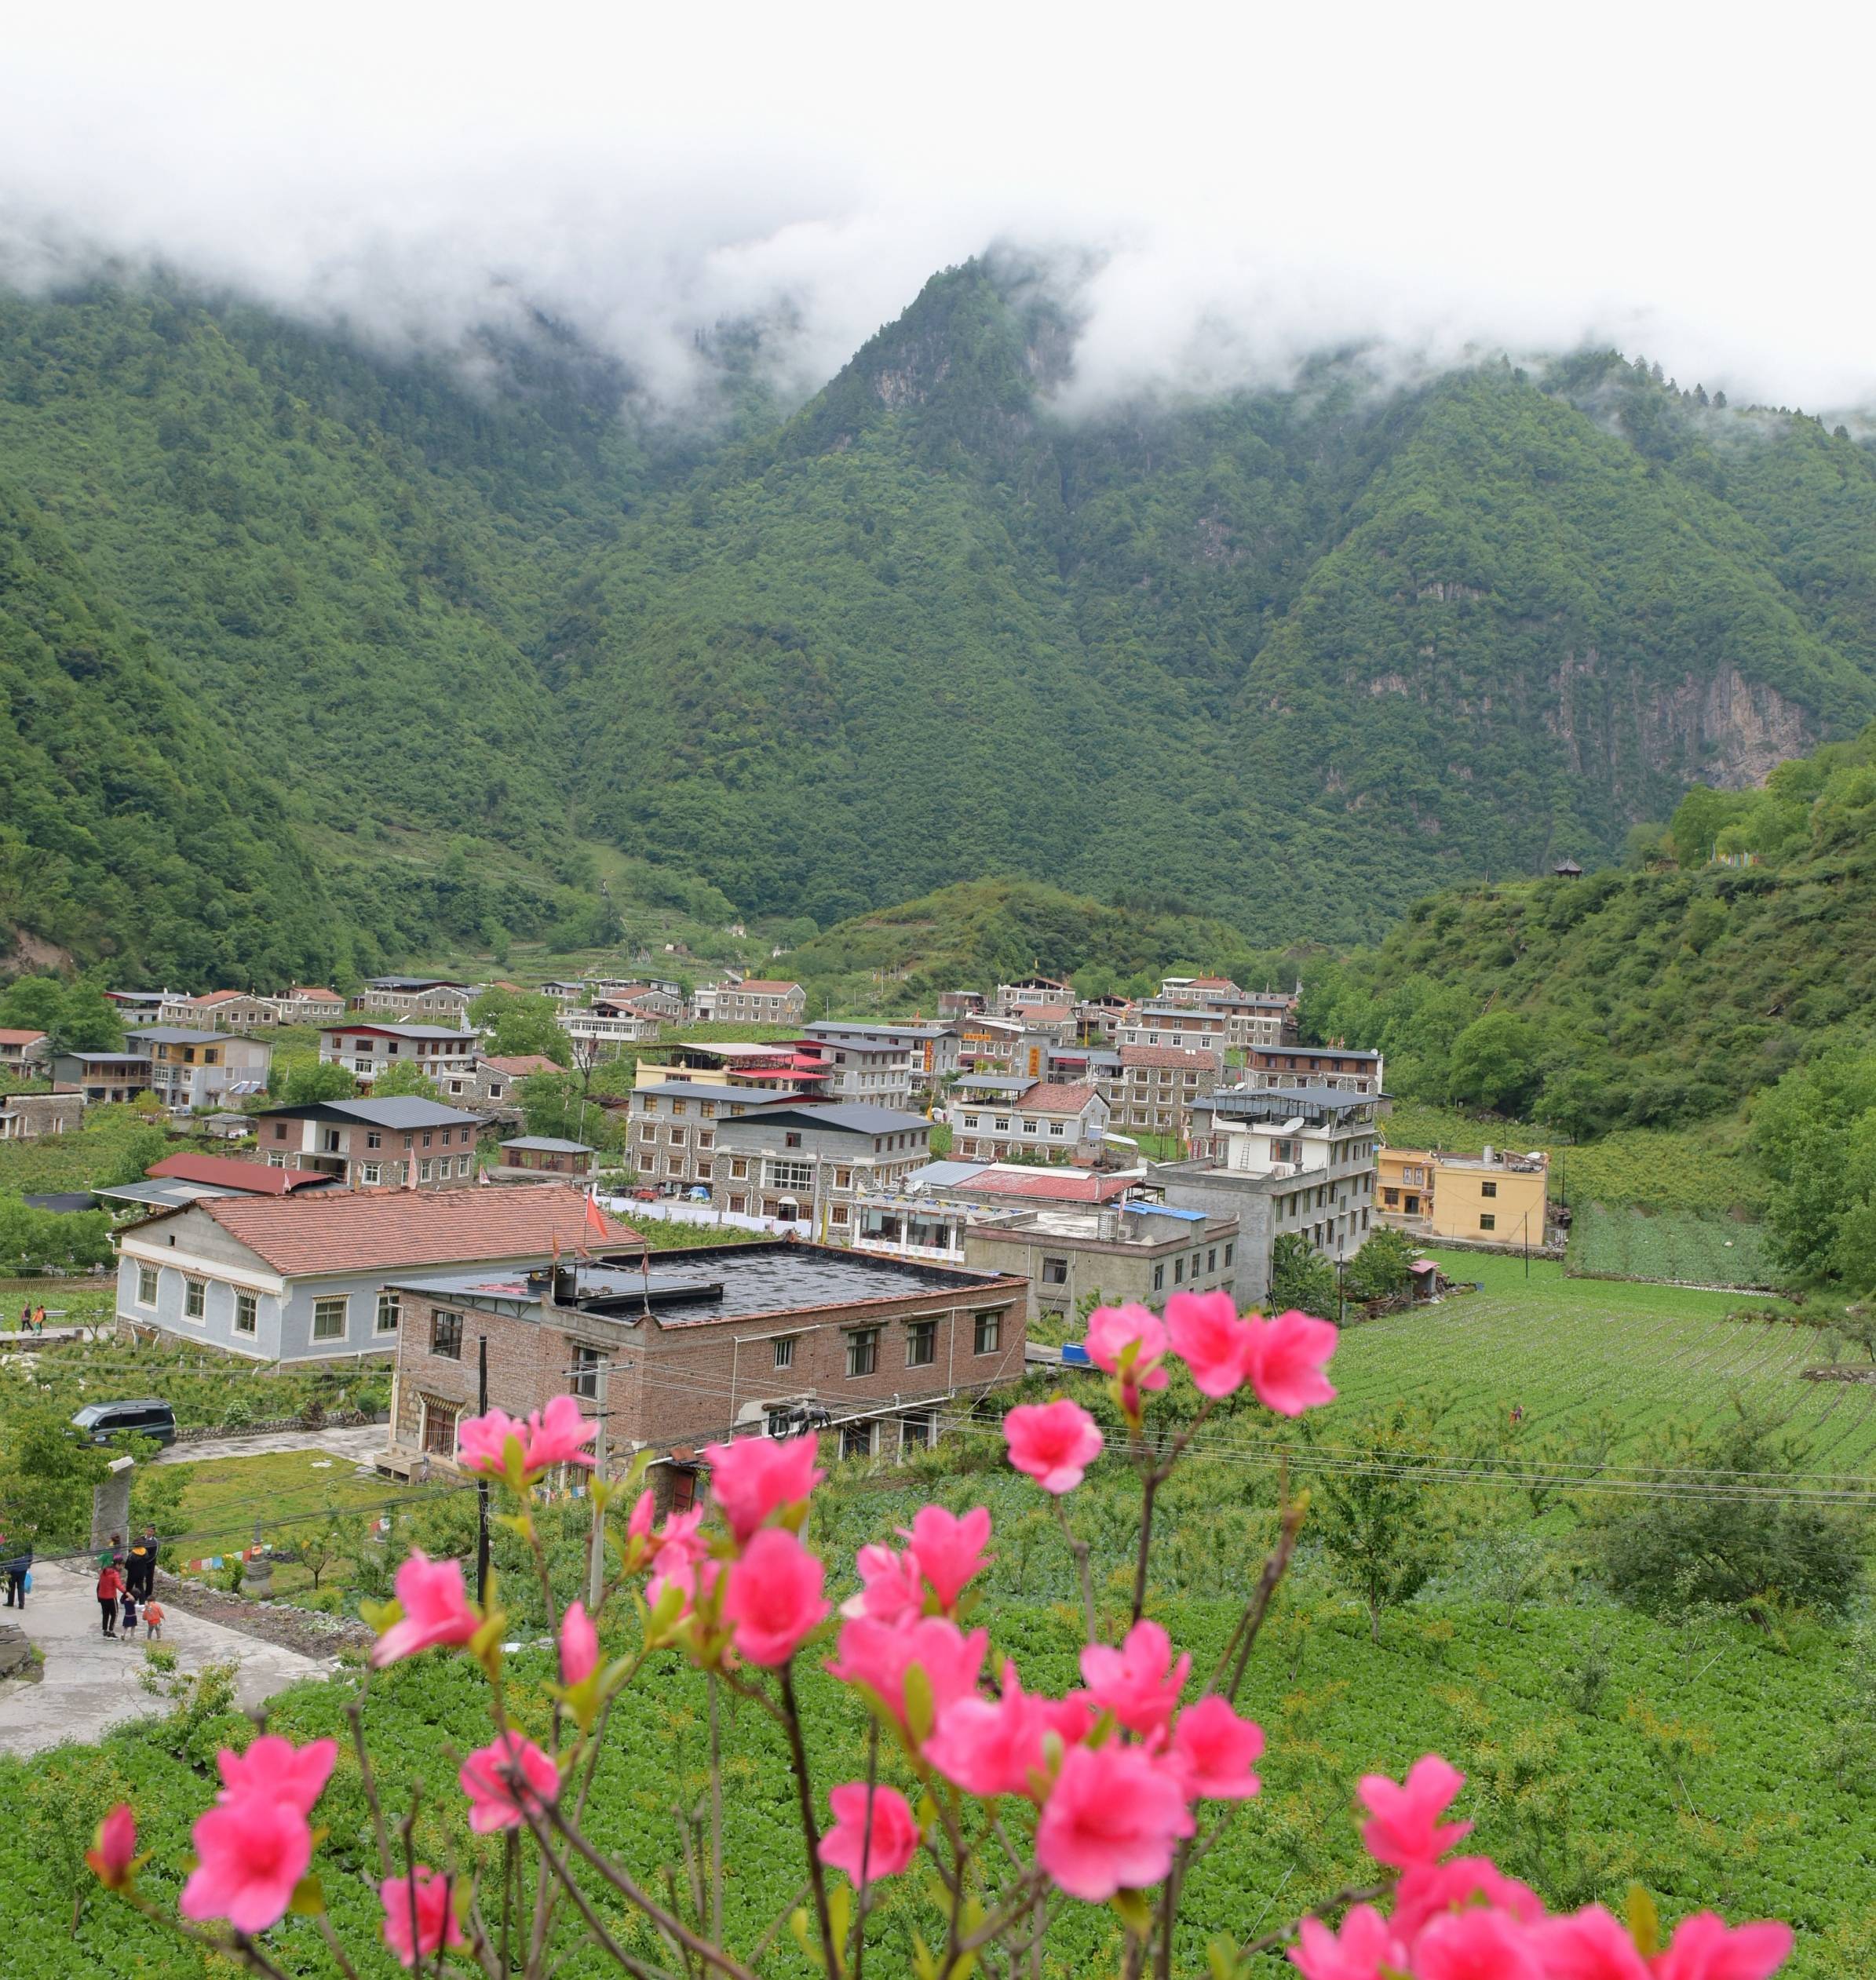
(110,1504)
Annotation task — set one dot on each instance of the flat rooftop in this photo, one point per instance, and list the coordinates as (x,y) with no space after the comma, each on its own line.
(717,1282)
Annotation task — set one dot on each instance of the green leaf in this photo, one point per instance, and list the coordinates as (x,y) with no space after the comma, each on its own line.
(309,1897)
(1136,1914)
(1644,1922)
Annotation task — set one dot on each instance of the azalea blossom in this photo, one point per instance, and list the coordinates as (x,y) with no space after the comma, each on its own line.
(1365,1948)
(1052,1443)
(949,1551)
(644,1511)
(872,1654)
(1139,1683)
(1212,1751)
(1478,1944)
(1112,1330)
(1592,1945)
(1209,1337)
(1705,1947)
(1427,1889)
(251,1851)
(1284,1359)
(891,1589)
(496,1800)
(693,1575)
(678,1541)
(556,1435)
(579,1646)
(436,1609)
(482,1441)
(1112,1822)
(435,1917)
(1406,1829)
(773,1597)
(276,1766)
(753,1477)
(990,1747)
(886,1848)
(114,1848)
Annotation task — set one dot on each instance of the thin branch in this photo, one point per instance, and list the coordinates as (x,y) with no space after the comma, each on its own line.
(811,1833)
(543,1842)
(1079,1548)
(337,1950)
(717,1818)
(1352,1893)
(354,1711)
(866,1848)
(1258,1606)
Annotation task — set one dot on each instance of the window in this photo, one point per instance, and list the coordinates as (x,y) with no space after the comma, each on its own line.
(146,1285)
(246,1307)
(987,1335)
(1488,1221)
(738,1168)
(371,1174)
(862,1352)
(373,1139)
(857,1439)
(791,1175)
(843,1179)
(329,1319)
(195,1298)
(275,1159)
(389,1312)
(585,1380)
(439,1428)
(424,1168)
(791,1140)
(837,1214)
(1055,1271)
(1159,1278)
(1058,1127)
(1002,1123)
(280,1131)
(329,1140)
(464,1164)
(739,1205)
(1178,1271)
(1489,1188)
(917,1430)
(1228,1250)
(784,1350)
(922,1343)
(446,1335)
(1211,1258)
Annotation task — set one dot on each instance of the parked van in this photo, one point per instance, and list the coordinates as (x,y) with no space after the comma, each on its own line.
(98,1422)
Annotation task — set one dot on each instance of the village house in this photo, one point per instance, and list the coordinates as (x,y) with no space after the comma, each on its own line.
(303,1277)
(926,1214)
(1058,1123)
(21,1051)
(528,1155)
(672,1128)
(1300,1161)
(1196,990)
(1183,1025)
(961,1003)
(809,1164)
(416,997)
(142,1007)
(27,1117)
(103,1078)
(659,1000)
(982,1040)
(759,1000)
(603,1030)
(1119,1253)
(299,1005)
(1098,1019)
(1336,1066)
(226,1010)
(1013,999)
(1155,1087)
(564,991)
(489,1082)
(1494,1198)
(932,1050)
(874,1069)
(765,1338)
(366,1048)
(402,1143)
(190,1070)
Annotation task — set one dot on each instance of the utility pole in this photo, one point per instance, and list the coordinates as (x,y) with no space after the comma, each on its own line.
(596,1569)
(482,1481)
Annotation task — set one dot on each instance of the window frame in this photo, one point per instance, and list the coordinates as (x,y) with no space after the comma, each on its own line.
(247,1303)
(343,1302)
(445,1333)
(986,1331)
(194,1297)
(147,1275)
(922,1343)
(862,1352)
(392,1301)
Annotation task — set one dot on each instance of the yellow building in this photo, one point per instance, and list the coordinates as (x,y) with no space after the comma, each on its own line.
(1493,1198)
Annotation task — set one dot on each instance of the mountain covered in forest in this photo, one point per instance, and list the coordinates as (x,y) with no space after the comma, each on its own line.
(409,638)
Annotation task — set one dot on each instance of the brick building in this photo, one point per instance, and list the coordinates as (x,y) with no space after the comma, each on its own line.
(812,1163)
(690,1346)
(1338,1067)
(759,1001)
(1058,1122)
(400,1143)
(1155,1087)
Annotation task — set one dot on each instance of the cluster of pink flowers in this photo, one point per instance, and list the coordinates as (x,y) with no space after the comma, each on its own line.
(556,1435)
(1283,1358)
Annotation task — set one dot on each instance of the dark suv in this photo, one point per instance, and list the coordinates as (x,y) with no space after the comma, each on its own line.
(98,1422)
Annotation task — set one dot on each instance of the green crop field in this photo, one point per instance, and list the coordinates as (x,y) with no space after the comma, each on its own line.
(1627,1243)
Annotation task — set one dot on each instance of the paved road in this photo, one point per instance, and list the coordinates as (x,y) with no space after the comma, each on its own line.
(90,1683)
(359,1442)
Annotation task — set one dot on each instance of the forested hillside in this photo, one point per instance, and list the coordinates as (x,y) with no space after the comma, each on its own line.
(1293,657)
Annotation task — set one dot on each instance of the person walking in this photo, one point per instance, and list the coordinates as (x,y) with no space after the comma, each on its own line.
(127,1617)
(110,1586)
(140,1571)
(16,1570)
(153,1615)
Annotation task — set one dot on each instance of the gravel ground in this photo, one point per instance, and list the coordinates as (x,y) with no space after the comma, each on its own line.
(307,1631)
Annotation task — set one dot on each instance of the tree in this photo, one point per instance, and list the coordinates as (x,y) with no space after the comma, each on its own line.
(517,1023)
(1382,1268)
(36,1238)
(1495,1063)
(322,1542)
(47,1472)
(405,1077)
(1385,1533)
(305,1085)
(1301,1276)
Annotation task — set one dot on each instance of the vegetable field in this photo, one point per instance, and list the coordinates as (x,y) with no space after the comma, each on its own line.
(1626,1242)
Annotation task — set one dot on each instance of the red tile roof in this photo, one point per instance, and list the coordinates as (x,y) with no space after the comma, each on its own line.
(218,996)
(1167,1055)
(348,1230)
(230,1172)
(1046,1097)
(301,989)
(20,1037)
(1048,1013)
(520,1066)
(760,987)
(1062,1185)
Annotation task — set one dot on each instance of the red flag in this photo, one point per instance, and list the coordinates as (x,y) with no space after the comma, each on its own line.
(596,1218)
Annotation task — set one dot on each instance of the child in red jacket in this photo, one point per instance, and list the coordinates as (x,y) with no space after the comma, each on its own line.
(110,1586)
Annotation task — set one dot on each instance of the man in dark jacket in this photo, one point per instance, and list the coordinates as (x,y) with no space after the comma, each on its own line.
(13,1571)
(140,1569)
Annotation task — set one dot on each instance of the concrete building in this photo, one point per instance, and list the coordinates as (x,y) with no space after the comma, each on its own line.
(142,1007)
(759,1000)
(672,1129)
(1300,1160)
(1494,1198)
(225,1010)
(301,1004)
(26,1116)
(191,1070)
(303,1277)
(1185,1025)
(961,1003)
(21,1051)
(1013,998)
(1142,1252)
(403,1143)
(103,1078)
(366,1048)
(1155,1087)
(1056,1122)
(872,1070)
(1338,1067)
(604,1030)
(932,1049)
(812,1163)
(710,1342)
(415,998)
(491,1082)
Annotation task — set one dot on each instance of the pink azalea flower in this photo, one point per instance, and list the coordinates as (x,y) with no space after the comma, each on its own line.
(890,1846)
(276,1766)
(482,1441)
(1052,1443)
(695,1576)
(1071,1719)
(435,1915)
(1285,1358)
(114,1848)
(871,1654)
(1406,1829)
(436,1609)
(1112,1822)
(1365,1949)
(1591,1945)
(679,1541)
(773,1598)
(989,1748)
(1476,1945)
(579,1646)
(752,1477)
(557,1434)
(1210,1338)
(1110,1330)
(639,1526)
(1212,1751)
(496,1801)
(1428,1889)
(1139,1683)
(891,1591)
(1705,1947)
(949,1551)
(251,1852)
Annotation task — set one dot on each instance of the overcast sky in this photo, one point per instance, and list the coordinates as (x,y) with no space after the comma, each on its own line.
(1255,182)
